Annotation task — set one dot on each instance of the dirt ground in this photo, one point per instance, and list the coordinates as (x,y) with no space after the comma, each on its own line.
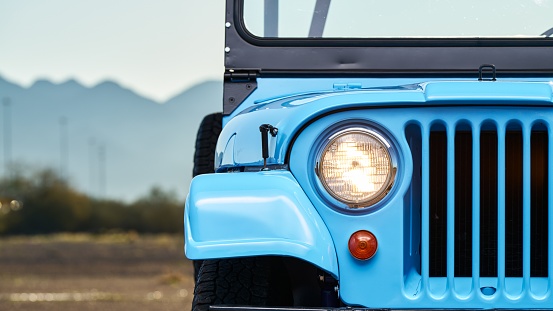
(85,272)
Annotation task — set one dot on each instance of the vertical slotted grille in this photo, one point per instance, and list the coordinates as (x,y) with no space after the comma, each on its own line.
(488,199)
(513,204)
(506,230)
(438,203)
(539,207)
(463,205)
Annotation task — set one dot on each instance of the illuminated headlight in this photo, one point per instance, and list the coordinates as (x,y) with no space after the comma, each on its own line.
(356,168)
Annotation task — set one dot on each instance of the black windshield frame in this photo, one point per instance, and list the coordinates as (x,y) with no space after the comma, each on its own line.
(275,56)
(401,26)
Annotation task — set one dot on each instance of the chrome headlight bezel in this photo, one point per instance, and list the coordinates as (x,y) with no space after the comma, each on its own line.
(373,132)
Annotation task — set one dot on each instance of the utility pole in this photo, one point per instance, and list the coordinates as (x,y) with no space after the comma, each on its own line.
(92,165)
(64,150)
(102,169)
(7,136)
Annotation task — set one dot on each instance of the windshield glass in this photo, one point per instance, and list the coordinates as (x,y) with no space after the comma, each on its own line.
(399,18)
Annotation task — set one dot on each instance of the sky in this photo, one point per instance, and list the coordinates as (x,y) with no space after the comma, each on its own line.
(156,48)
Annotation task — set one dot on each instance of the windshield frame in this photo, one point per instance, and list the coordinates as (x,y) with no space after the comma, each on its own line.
(396,56)
(383,41)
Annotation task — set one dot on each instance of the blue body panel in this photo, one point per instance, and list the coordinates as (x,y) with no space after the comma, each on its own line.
(397,282)
(239,143)
(253,214)
(288,213)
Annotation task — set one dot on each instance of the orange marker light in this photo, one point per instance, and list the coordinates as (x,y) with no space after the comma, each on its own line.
(362,245)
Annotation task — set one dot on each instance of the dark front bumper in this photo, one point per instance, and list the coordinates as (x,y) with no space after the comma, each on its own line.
(253,308)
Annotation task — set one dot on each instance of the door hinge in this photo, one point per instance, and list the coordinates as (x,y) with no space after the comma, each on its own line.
(238,85)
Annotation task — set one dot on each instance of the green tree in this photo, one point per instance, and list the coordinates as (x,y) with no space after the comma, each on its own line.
(49,204)
(159,211)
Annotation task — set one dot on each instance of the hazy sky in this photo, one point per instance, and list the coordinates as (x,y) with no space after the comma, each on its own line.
(157,48)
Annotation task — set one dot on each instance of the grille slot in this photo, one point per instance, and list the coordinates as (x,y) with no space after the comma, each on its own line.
(484,199)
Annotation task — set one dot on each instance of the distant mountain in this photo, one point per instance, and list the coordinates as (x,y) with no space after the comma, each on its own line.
(145,143)
(9,87)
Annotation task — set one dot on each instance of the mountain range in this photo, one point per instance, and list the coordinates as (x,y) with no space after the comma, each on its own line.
(106,139)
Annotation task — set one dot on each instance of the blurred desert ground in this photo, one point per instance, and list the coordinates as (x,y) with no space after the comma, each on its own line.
(115,271)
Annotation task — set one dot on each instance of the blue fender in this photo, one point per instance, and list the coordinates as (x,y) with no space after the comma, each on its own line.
(252,214)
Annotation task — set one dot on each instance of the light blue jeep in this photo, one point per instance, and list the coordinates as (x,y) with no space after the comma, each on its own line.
(378,155)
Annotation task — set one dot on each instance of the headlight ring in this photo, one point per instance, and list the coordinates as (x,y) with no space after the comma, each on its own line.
(356,166)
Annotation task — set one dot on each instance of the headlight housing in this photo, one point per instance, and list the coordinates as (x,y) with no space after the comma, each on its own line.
(356,166)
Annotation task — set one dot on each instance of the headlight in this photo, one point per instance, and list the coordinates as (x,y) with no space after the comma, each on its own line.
(356,168)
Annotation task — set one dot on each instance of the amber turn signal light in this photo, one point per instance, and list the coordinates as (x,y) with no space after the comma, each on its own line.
(363,245)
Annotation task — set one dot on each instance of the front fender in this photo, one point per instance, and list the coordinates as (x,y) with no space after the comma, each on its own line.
(254,214)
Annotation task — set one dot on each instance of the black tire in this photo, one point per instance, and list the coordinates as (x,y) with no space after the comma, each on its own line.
(206,140)
(251,281)
(204,155)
